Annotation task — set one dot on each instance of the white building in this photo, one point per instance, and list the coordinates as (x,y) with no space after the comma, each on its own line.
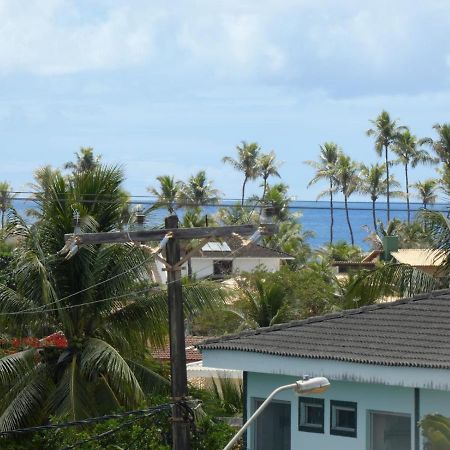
(230,257)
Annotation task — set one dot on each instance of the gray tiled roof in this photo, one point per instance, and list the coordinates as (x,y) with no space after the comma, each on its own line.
(240,248)
(412,332)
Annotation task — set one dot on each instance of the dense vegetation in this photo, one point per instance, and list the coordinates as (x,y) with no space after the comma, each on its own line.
(76,334)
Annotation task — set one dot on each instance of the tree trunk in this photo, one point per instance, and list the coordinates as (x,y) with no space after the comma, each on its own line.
(387,184)
(3,219)
(348,220)
(243,191)
(263,196)
(407,194)
(374,215)
(331,212)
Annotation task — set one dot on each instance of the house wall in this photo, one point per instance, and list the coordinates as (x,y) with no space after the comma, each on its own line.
(369,397)
(203,267)
(372,387)
(250,264)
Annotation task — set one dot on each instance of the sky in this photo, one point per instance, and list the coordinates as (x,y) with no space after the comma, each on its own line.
(171,87)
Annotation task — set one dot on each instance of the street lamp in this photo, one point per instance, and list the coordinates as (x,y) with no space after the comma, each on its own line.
(306,386)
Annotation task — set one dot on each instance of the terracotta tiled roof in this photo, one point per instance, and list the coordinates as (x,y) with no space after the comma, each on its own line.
(192,354)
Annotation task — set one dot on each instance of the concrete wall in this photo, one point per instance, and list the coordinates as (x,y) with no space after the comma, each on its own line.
(369,397)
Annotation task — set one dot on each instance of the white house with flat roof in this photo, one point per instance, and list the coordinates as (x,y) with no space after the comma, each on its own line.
(388,364)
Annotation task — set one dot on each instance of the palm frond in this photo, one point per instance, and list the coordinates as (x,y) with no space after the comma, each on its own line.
(71,397)
(25,408)
(391,280)
(100,357)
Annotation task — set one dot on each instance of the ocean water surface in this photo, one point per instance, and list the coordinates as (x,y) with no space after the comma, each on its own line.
(313,216)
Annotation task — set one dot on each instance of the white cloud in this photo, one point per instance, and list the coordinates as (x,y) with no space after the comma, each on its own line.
(230,44)
(53,37)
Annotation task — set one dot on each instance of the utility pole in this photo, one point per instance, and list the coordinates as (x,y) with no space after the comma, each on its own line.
(171,235)
(180,426)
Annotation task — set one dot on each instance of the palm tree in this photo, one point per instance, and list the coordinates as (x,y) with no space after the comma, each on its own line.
(374,184)
(329,153)
(247,162)
(347,180)
(426,191)
(85,160)
(268,167)
(198,191)
(6,197)
(263,303)
(168,194)
(393,279)
(409,152)
(386,133)
(441,147)
(98,301)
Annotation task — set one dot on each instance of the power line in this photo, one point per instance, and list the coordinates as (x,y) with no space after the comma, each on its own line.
(90,420)
(180,205)
(44,308)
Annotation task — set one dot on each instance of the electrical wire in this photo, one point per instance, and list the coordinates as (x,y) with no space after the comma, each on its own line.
(45,309)
(231,203)
(90,420)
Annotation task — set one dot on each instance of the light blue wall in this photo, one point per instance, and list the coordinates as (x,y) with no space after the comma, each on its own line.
(369,397)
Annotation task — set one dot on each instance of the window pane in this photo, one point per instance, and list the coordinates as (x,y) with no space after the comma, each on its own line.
(311,414)
(343,418)
(273,427)
(390,431)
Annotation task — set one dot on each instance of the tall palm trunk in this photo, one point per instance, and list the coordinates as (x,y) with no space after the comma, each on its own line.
(348,219)
(387,183)
(374,215)
(331,212)
(263,196)
(407,194)
(243,190)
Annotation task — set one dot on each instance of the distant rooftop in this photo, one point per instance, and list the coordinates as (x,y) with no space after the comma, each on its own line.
(420,257)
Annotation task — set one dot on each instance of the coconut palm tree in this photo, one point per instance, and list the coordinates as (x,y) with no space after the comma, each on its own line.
(409,153)
(374,184)
(441,147)
(328,156)
(85,160)
(268,167)
(6,197)
(426,191)
(198,191)
(98,301)
(168,194)
(386,133)
(347,181)
(247,162)
(263,303)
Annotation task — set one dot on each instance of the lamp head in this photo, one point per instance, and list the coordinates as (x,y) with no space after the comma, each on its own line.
(316,385)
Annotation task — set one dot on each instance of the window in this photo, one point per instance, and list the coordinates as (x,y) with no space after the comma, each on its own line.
(222,268)
(273,426)
(389,431)
(343,418)
(310,414)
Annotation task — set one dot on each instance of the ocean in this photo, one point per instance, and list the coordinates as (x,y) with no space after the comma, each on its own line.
(315,216)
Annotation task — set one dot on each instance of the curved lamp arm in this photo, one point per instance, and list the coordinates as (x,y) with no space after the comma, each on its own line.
(315,385)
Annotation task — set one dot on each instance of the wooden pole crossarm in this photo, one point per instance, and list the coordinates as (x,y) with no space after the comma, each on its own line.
(178,233)
(188,255)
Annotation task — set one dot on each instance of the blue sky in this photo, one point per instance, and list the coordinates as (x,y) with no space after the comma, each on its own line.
(171,87)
